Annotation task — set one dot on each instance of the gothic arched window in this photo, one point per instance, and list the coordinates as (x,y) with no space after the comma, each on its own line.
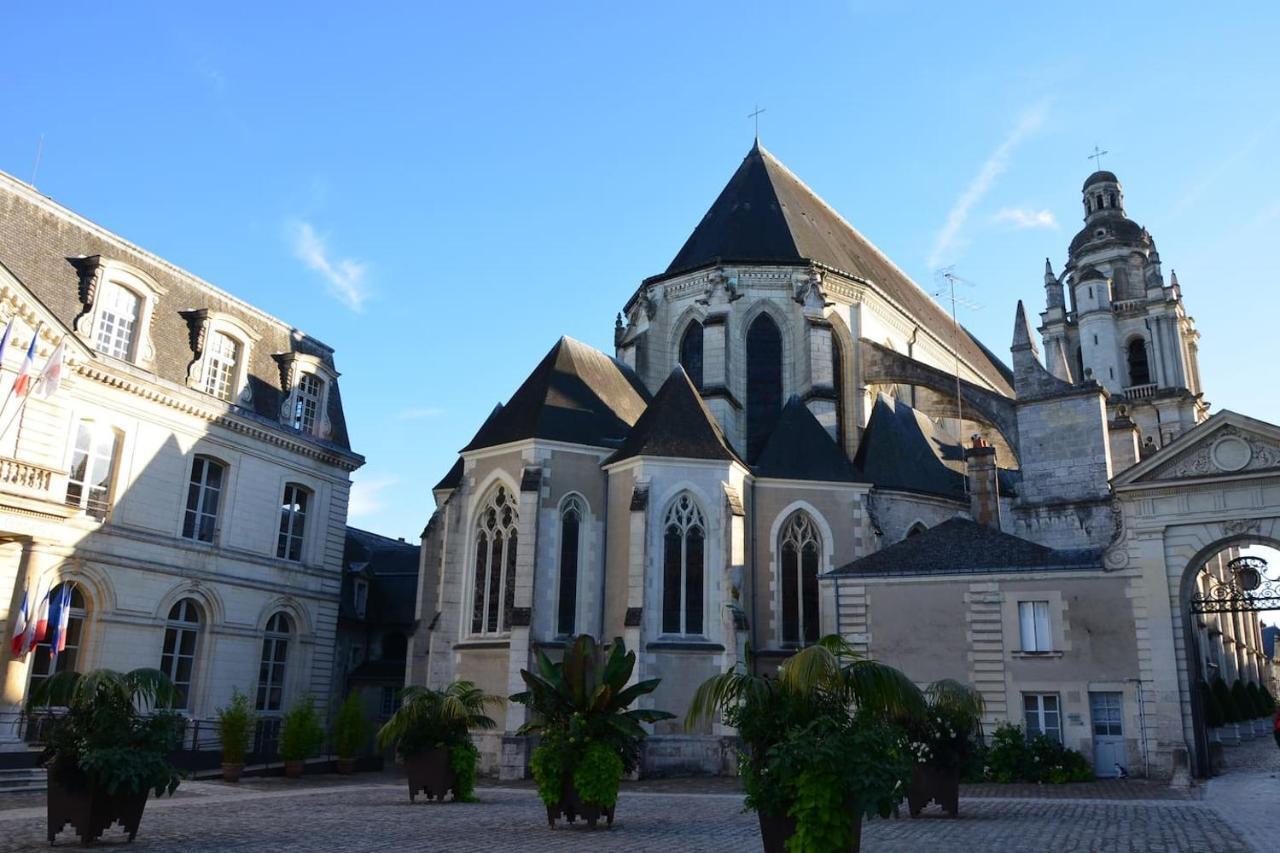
(838,354)
(683,563)
(1079,365)
(798,548)
(571,513)
(691,353)
(1139,369)
(764,382)
(493,589)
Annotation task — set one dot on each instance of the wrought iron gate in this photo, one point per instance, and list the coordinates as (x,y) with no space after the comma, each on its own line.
(1247,589)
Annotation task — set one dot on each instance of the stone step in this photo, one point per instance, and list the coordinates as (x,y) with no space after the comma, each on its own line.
(23,780)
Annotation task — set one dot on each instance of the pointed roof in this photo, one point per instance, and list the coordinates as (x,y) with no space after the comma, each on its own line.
(576,394)
(765,214)
(677,424)
(902,449)
(452,479)
(961,545)
(800,448)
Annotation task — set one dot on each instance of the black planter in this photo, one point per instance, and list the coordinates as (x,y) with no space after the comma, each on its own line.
(934,784)
(89,808)
(776,831)
(430,773)
(572,807)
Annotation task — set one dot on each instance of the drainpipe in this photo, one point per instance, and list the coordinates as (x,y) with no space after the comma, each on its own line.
(604,552)
(754,577)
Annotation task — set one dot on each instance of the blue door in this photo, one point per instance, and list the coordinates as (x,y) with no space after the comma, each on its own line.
(1109,754)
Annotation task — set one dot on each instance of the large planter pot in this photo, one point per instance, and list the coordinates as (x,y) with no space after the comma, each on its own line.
(776,831)
(90,809)
(431,773)
(572,807)
(231,771)
(934,784)
(346,766)
(294,769)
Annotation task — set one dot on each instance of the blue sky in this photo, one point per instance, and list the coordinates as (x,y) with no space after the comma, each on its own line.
(440,191)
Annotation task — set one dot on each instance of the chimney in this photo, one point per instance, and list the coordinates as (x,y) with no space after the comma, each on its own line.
(984,487)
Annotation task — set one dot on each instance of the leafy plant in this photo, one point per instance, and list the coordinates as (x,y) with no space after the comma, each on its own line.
(1225,700)
(463,758)
(1240,698)
(1270,700)
(350,731)
(818,741)
(597,775)
(1213,714)
(428,719)
(1258,700)
(104,737)
(950,731)
(580,707)
(1015,758)
(301,734)
(236,724)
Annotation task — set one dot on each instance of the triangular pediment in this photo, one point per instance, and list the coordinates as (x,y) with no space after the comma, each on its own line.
(1228,444)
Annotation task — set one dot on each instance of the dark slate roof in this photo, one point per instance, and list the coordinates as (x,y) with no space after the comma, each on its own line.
(800,448)
(765,214)
(451,480)
(961,545)
(1099,177)
(903,449)
(38,242)
(391,567)
(1115,226)
(575,394)
(676,424)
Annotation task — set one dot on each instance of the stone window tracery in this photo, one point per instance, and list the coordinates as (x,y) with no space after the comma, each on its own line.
(799,550)
(571,517)
(683,567)
(494,582)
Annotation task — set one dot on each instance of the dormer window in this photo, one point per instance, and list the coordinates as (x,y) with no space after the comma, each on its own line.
(221,361)
(306,402)
(118,311)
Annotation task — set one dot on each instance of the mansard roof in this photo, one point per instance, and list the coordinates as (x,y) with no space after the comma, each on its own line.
(962,546)
(391,567)
(1100,177)
(576,394)
(765,214)
(677,424)
(43,244)
(902,449)
(800,448)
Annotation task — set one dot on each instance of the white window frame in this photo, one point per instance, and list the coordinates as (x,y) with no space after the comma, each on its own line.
(297,521)
(110,342)
(294,367)
(100,434)
(302,396)
(208,326)
(1034,626)
(276,645)
(224,492)
(179,626)
(222,359)
(1041,714)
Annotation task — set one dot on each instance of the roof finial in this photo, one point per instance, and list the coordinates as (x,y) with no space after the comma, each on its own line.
(1049,277)
(756,115)
(1096,157)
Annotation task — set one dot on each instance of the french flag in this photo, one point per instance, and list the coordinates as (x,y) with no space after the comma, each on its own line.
(27,373)
(20,627)
(42,622)
(58,642)
(36,625)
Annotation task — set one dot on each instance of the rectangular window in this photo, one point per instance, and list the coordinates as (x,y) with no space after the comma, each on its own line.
(117,320)
(177,660)
(221,357)
(93,469)
(361,597)
(1041,714)
(204,493)
(306,404)
(390,701)
(1033,617)
(293,517)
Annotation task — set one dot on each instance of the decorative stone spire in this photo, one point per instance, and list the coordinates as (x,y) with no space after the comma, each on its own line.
(1049,277)
(1053,297)
(1030,379)
(1061,366)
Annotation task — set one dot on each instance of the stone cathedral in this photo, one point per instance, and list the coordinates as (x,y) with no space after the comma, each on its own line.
(792,439)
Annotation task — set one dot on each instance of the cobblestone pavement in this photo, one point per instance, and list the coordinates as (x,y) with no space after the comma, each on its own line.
(1247,794)
(376,815)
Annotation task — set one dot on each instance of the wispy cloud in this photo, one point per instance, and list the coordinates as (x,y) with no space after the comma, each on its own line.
(344,276)
(422,413)
(367,495)
(948,238)
(1023,217)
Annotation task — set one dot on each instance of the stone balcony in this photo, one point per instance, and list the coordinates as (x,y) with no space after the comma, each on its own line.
(1141,392)
(33,487)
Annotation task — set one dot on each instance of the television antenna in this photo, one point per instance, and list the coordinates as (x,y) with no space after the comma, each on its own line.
(948,290)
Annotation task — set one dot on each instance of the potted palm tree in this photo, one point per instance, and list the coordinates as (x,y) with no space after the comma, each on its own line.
(236,722)
(943,740)
(105,755)
(431,733)
(350,733)
(819,750)
(589,738)
(301,736)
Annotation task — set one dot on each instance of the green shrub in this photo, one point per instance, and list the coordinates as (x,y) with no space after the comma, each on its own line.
(1240,698)
(236,724)
(301,734)
(1270,700)
(463,758)
(1225,700)
(597,775)
(350,731)
(433,719)
(1258,700)
(1015,758)
(1213,714)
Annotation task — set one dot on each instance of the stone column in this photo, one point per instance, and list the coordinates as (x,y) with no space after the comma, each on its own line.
(821,397)
(637,551)
(715,374)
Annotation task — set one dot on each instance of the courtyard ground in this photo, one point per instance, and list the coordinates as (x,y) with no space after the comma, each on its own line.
(368,813)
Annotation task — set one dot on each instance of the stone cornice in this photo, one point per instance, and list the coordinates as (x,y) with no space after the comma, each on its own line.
(344,460)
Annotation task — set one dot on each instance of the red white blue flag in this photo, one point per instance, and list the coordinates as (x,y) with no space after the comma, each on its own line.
(27,373)
(58,641)
(17,645)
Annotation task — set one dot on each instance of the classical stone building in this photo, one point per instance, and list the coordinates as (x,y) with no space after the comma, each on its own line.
(793,439)
(189,479)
